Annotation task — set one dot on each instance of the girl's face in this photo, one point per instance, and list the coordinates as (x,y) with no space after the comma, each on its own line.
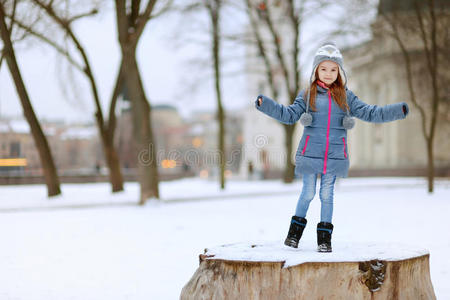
(328,72)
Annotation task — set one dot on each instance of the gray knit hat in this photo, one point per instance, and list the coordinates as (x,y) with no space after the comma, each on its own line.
(328,51)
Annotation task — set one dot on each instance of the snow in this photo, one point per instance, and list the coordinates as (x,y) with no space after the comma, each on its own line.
(343,251)
(4,128)
(19,126)
(89,244)
(85,133)
(14,125)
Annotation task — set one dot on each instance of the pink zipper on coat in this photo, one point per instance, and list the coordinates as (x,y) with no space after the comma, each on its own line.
(328,134)
(306,144)
(345,153)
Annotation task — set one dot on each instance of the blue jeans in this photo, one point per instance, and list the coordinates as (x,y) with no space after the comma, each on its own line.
(309,191)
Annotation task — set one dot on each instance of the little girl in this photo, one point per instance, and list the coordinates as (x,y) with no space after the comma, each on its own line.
(326,109)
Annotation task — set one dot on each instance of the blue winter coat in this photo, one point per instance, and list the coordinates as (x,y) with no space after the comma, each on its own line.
(323,146)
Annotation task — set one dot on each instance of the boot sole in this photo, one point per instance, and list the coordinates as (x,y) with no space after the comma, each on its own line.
(323,248)
(291,243)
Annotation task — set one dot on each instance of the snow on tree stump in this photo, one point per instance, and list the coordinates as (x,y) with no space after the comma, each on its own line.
(274,271)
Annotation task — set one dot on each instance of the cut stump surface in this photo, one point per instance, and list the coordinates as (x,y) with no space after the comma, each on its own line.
(271,270)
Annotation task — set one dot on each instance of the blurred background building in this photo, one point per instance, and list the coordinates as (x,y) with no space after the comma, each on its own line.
(185,146)
(17,147)
(377,76)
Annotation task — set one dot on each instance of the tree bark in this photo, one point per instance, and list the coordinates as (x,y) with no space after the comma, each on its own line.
(130,25)
(214,12)
(112,157)
(113,163)
(147,164)
(289,174)
(375,279)
(48,166)
(430,166)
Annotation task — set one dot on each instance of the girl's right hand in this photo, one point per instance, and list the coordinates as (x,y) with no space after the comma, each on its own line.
(259,101)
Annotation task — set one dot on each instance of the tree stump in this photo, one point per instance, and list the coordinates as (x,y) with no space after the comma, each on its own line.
(274,271)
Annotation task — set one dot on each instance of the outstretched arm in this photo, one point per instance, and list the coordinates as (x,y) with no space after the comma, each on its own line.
(374,113)
(285,114)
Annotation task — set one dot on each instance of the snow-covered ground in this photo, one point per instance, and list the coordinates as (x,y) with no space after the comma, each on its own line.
(89,244)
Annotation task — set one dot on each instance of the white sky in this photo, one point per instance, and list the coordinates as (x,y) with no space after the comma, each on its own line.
(40,68)
(165,66)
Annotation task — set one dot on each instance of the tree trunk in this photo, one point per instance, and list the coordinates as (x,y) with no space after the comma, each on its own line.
(288,176)
(130,25)
(214,10)
(430,167)
(106,134)
(50,173)
(147,164)
(320,278)
(221,117)
(112,160)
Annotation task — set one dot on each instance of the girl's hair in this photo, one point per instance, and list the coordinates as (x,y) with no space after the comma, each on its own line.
(337,90)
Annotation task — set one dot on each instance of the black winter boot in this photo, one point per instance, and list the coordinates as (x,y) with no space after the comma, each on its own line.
(295,231)
(324,231)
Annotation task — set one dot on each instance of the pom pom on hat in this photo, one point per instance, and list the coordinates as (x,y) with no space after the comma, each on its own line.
(306,119)
(348,122)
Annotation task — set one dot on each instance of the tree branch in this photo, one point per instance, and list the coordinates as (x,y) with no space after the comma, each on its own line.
(434,71)
(143,19)
(423,36)
(396,35)
(87,14)
(53,44)
(262,51)
(1,58)
(295,21)
(277,43)
(135,7)
(111,128)
(122,21)
(87,68)
(163,10)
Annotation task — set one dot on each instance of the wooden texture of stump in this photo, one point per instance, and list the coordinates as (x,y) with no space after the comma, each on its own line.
(373,279)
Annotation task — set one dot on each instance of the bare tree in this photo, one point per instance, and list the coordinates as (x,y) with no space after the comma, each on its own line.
(50,173)
(353,24)
(106,128)
(422,36)
(265,24)
(213,37)
(132,18)
(214,10)
(64,21)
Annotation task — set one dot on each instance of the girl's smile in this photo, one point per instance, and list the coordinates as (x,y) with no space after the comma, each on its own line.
(328,72)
